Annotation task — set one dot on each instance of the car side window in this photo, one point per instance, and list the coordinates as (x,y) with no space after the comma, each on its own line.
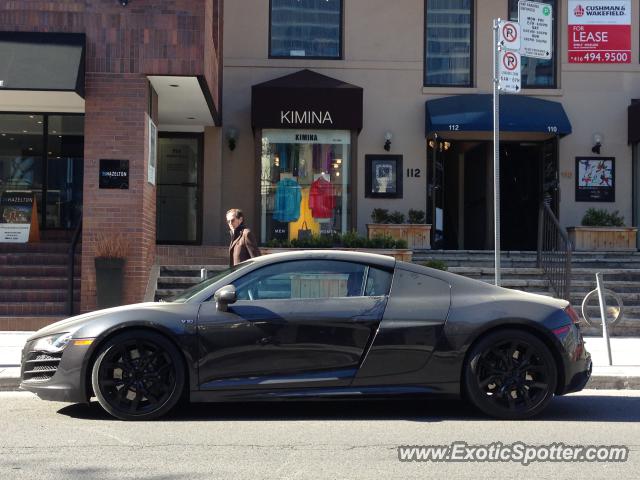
(378,282)
(303,279)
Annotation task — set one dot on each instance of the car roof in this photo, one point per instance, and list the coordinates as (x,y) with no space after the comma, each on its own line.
(335,254)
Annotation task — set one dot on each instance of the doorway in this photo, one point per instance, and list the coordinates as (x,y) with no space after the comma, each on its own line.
(179,185)
(463,200)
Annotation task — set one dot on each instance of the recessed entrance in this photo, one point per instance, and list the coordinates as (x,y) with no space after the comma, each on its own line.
(461,204)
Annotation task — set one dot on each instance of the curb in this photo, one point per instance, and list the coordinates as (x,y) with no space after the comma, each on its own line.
(596,382)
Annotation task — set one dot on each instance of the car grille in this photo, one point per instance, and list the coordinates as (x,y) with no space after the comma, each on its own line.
(40,367)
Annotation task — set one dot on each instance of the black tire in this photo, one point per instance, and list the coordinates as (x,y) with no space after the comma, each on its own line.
(510,374)
(138,375)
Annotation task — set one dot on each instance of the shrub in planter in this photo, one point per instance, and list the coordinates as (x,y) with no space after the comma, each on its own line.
(416,216)
(111,253)
(599,217)
(437,264)
(380,215)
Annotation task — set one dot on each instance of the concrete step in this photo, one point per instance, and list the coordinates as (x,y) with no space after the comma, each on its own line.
(28,258)
(30,309)
(38,247)
(38,282)
(37,270)
(28,323)
(34,296)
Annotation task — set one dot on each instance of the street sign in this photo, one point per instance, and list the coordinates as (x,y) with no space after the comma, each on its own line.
(535,21)
(509,35)
(509,71)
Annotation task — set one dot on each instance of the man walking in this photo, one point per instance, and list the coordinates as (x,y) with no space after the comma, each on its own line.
(243,244)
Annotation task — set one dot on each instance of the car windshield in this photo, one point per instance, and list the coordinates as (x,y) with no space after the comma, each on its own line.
(196,289)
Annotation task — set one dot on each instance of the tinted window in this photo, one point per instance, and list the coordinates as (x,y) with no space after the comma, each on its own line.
(448,42)
(313,279)
(306,28)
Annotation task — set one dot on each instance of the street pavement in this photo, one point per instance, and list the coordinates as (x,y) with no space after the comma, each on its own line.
(309,440)
(623,374)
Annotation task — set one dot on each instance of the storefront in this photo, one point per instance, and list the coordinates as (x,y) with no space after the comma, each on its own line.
(306,127)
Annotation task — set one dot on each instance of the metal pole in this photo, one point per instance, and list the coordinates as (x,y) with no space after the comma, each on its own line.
(603,315)
(496,150)
(433,190)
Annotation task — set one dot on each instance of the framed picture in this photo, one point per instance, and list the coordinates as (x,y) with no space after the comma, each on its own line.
(383,176)
(595,179)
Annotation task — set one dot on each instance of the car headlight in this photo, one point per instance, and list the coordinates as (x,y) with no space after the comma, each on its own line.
(53,343)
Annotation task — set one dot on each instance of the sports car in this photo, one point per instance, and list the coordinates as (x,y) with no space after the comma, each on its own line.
(316,325)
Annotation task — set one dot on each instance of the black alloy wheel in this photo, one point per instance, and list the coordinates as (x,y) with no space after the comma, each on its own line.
(510,374)
(138,375)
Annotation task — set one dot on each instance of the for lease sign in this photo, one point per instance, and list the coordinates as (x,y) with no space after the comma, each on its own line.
(599,31)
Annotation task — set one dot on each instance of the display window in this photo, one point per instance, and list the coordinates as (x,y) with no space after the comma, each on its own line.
(305,186)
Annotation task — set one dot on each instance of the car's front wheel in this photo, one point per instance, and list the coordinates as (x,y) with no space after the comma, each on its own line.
(138,375)
(510,374)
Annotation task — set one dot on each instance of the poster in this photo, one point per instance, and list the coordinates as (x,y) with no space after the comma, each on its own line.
(153,152)
(599,31)
(16,210)
(595,177)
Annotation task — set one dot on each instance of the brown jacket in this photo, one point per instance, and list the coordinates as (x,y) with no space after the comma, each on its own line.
(243,248)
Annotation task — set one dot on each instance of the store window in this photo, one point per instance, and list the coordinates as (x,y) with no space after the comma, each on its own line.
(538,72)
(43,154)
(305,28)
(305,187)
(448,43)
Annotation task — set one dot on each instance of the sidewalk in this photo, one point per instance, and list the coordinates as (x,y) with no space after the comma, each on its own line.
(624,374)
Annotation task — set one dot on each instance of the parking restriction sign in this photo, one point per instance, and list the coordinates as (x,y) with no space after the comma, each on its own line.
(509,73)
(509,35)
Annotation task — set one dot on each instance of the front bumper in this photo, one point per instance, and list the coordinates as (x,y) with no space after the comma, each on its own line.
(58,377)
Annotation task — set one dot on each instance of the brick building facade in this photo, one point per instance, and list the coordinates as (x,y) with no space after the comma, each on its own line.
(127,44)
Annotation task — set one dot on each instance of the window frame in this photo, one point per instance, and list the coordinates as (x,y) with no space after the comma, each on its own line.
(472,51)
(305,57)
(554,53)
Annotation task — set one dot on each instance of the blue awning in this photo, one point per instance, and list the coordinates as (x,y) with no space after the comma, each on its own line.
(474,113)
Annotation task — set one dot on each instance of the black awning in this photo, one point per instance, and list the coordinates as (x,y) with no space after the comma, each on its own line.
(474,113)
(306,99)
(633,122)
(42,61)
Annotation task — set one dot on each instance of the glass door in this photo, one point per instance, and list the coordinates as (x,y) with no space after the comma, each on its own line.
(179,210)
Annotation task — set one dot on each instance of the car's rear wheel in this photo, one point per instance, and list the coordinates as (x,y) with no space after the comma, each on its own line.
(138,375)
(510,374)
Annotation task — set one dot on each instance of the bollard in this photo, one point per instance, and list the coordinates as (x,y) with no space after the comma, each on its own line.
(203,274)
(603,315)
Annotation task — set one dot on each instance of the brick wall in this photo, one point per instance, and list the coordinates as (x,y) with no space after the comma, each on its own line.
(124,45)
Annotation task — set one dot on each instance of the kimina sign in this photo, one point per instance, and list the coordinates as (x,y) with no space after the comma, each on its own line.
(306,117)
(599,31)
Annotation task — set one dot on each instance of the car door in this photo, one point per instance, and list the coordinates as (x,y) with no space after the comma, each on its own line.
(295,324)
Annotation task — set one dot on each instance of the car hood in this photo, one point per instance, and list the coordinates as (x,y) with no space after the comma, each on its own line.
(73,323)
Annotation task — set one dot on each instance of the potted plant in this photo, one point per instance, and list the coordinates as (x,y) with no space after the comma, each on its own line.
(603,230)
(416,232)
(111,254)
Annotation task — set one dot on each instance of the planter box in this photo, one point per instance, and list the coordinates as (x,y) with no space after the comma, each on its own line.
(401,254)
(109,280)
(417,235)
(603,238)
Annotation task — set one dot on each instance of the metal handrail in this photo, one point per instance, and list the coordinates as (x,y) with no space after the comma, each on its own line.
(71,265)
(554,252)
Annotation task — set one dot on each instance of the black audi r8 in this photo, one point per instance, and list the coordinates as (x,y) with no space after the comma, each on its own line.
(316,325)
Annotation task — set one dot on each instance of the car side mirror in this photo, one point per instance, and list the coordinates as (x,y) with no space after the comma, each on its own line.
(224,297)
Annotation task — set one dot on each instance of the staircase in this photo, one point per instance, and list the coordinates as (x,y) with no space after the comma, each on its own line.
(621,272)
(33,283)
(174,279)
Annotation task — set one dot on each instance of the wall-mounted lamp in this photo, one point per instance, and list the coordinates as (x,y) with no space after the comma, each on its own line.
(442,145)
(387,140)
(232,138)
(598,140)
(124,3)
